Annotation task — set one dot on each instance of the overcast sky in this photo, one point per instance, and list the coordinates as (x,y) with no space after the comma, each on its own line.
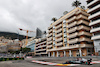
(30,14)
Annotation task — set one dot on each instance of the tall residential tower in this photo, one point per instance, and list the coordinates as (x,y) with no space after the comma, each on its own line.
(94,11)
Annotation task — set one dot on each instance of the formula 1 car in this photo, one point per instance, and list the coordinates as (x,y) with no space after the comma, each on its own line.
(79,61)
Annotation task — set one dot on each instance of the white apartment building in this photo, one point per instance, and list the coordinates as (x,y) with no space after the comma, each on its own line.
(40,47)
(94,11)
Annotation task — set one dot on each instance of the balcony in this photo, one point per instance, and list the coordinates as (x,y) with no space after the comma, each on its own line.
(41,53)
(85,45)
(59,44)
(49,27)
(49,34)
(95,29)
(40,50)
(73,41)
(49,39)
(85,39)
(95,37)
(94,8)
(41,46)
(84,33)
(58,30)
(57,40)
(82,21)
(72,24)
(49,42)
(93,2)
(72,30)
(50,30)
(71,14)
(71,19)
(82,16)
(94,22)
(84,27)
(60,34)
(72,35)
(82,12)
(60,25)
(49,46)
(94,15)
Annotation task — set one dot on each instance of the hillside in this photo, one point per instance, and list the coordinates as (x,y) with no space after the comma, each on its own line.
(12,35)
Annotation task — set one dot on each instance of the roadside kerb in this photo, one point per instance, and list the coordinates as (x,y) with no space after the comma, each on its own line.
(54,64)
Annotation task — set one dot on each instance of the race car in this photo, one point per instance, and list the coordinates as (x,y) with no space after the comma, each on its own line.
(79,61)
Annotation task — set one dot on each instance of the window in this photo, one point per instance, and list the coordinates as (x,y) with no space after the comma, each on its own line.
(64,21)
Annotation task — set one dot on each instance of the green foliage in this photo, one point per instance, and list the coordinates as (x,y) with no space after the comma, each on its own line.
(76,3)
(54,19)
(25,50)
(83,7)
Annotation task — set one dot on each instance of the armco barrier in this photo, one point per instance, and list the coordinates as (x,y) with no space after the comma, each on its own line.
(7,59)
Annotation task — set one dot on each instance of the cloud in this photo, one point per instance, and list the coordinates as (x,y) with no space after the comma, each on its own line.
(30,14)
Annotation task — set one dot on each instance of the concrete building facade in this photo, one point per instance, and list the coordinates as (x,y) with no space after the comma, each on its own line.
(94,11)
(69,36)
(40,47)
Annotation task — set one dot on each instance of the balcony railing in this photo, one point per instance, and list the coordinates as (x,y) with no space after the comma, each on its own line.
(59,44)
(82,21)
(73,41)
(90,4)
(84,39)
(95,37)
(60,25)
(84,13)
(71,19)
(72,35)
(49,42)
(49,46)
(72,24)
(94,8)
(84,27)
(58,30)
(58,35)
(41,46)
(84,33)
(57,40)
(72,30)
(94,22)
(49,34)
(49,39)
(95,29)
(40,50)
(94,15)
(82,16)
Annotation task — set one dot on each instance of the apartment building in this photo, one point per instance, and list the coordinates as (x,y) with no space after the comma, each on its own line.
(94,11)
(69,36)
(40,47)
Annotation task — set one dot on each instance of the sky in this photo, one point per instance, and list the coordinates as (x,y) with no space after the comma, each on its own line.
(30,14)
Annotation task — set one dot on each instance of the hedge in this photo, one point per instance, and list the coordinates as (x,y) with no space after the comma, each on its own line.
(7,59)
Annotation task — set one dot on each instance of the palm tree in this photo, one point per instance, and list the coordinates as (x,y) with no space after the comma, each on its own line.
(54,19)
(76,3)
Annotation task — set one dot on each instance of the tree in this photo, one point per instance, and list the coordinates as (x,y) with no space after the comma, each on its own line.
(54,19)
(76,3)
(26,50)
(65,12)
(83,7)
(45,33)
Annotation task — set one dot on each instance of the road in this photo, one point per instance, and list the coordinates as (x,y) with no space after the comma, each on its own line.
(24,63)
